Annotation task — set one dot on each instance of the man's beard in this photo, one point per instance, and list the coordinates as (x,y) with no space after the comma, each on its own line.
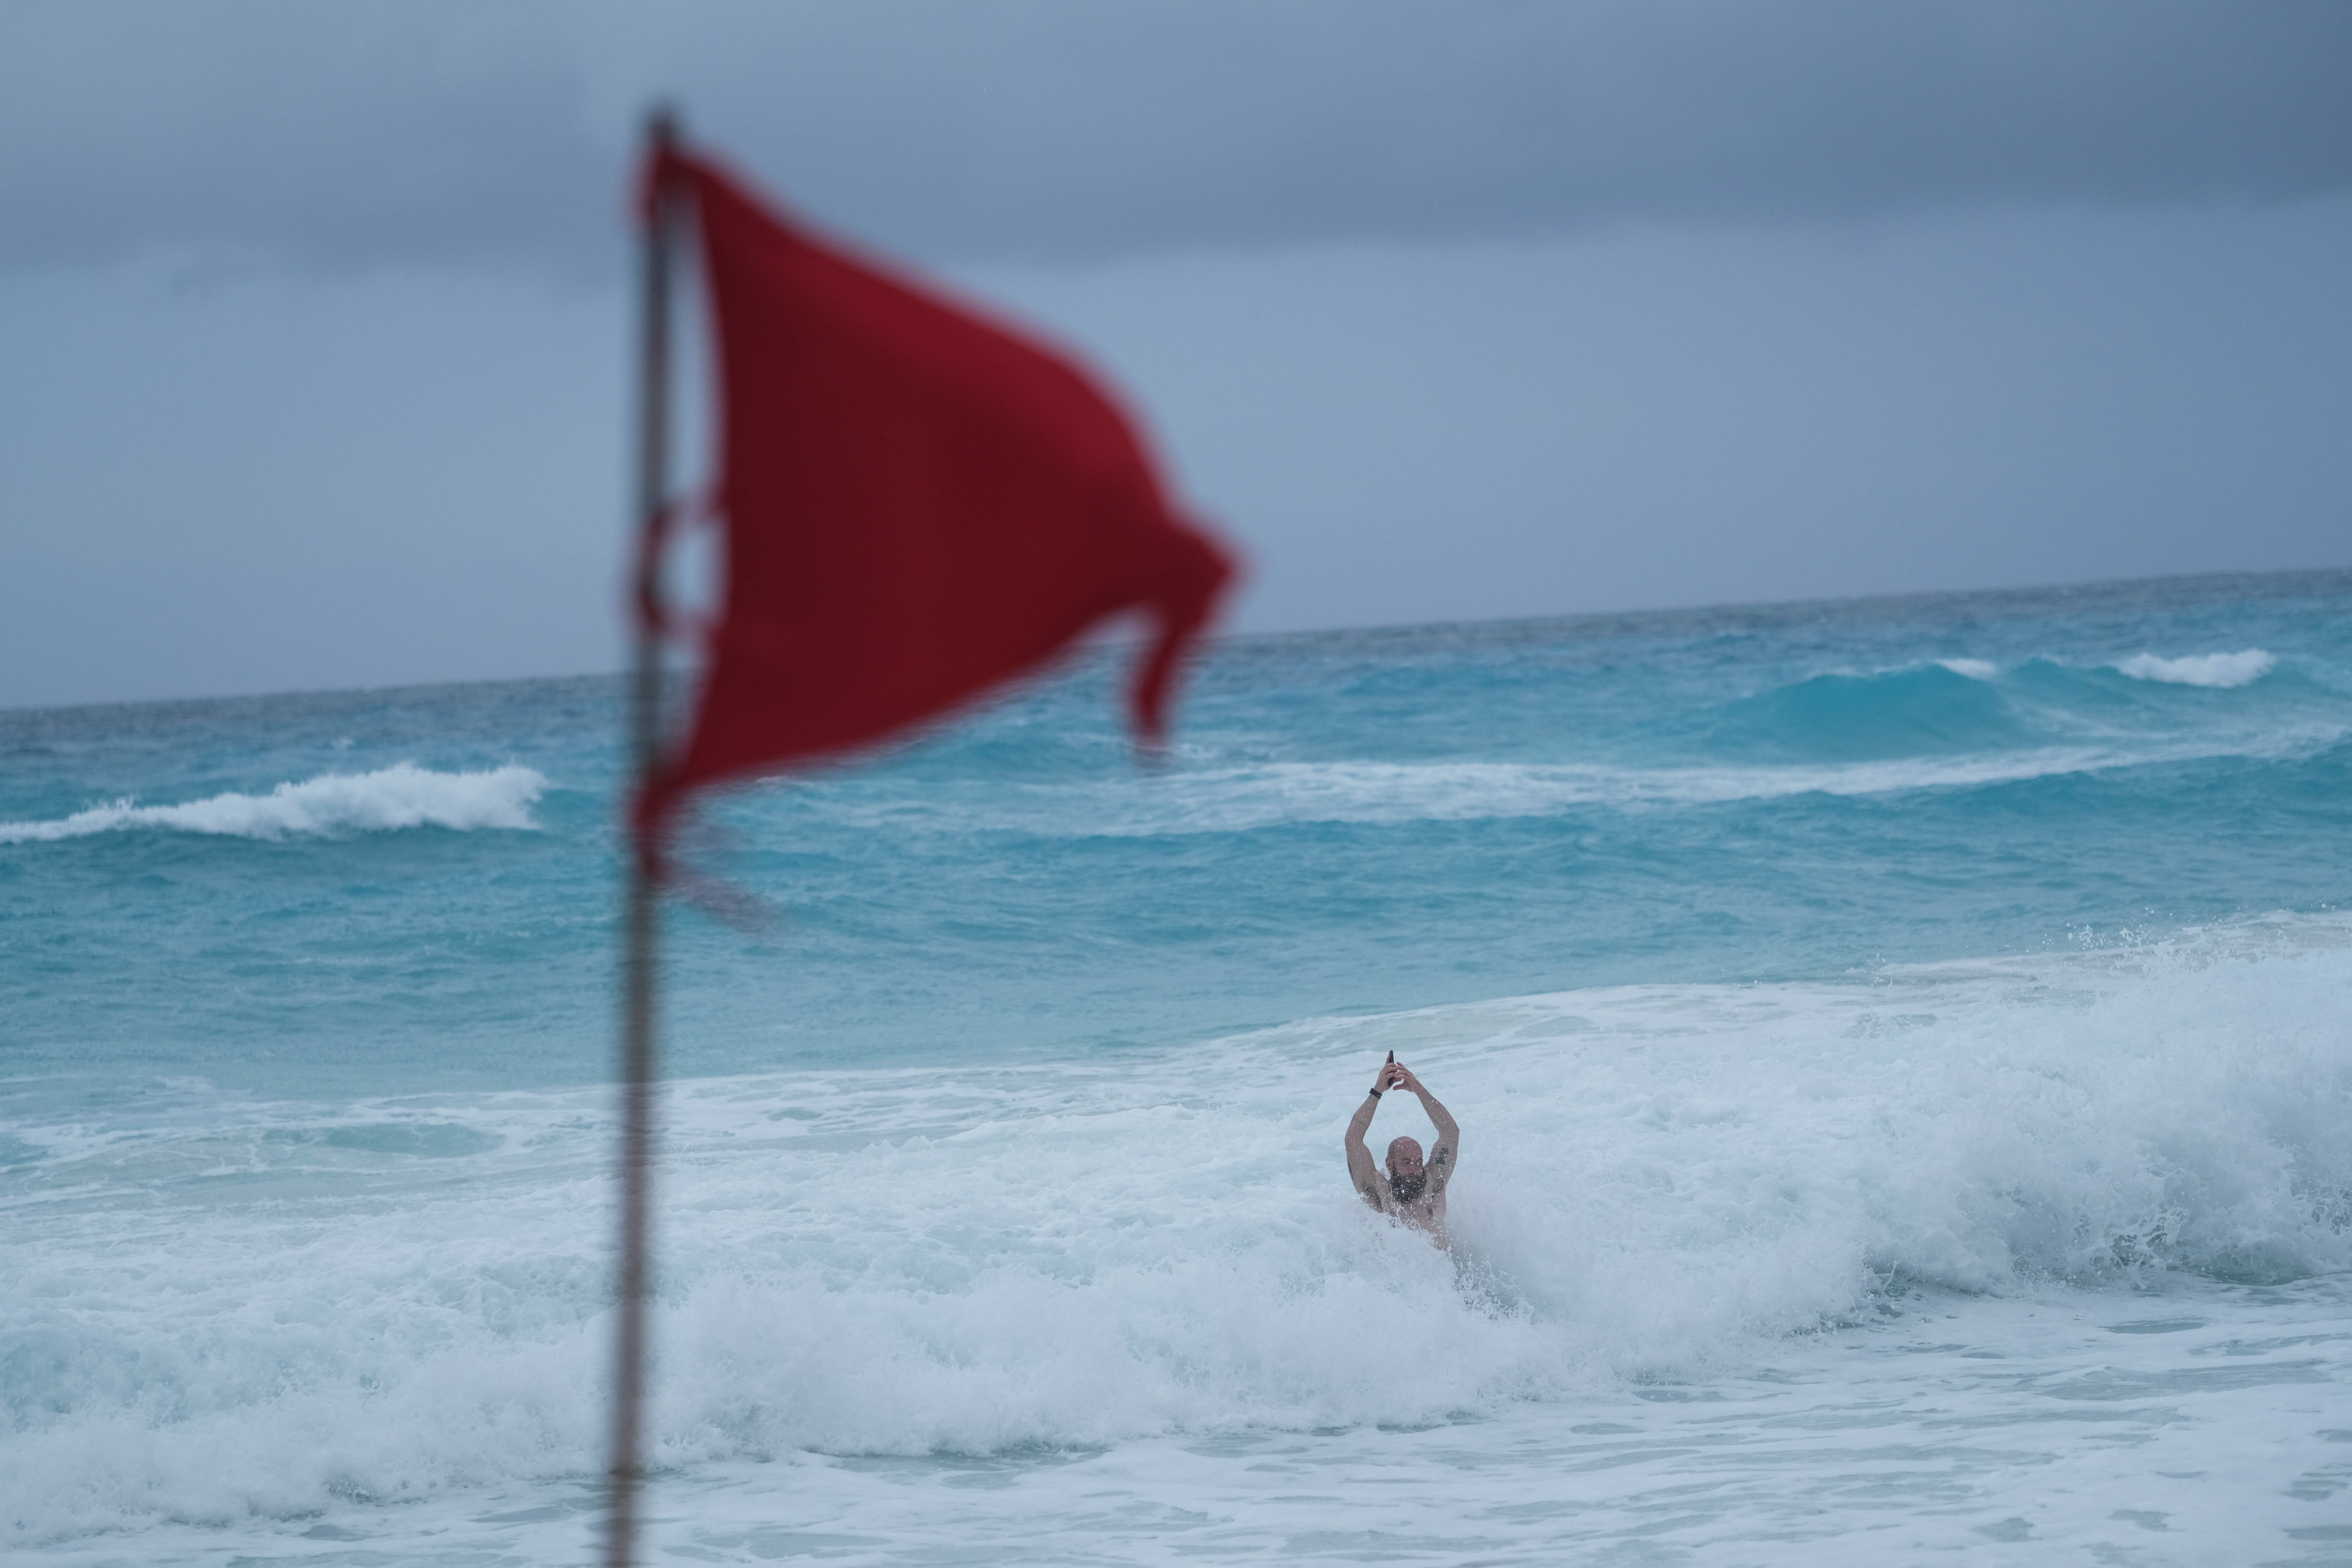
(1408,1189)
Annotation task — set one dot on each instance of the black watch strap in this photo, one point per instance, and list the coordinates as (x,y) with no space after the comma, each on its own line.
(1376,1094)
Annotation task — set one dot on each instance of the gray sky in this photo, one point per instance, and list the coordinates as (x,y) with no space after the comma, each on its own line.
(313,327)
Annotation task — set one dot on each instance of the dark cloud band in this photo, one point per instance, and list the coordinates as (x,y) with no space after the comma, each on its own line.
(1069,130)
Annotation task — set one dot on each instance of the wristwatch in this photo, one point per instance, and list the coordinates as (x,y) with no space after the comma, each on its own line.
(1376,1094)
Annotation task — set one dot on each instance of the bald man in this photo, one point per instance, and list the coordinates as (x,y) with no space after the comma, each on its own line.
(1412,1190)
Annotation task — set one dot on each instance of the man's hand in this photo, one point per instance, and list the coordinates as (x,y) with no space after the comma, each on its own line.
(1390,1076)
(1449,1136)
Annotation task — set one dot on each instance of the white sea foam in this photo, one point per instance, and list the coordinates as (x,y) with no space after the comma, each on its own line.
(1974,669)
(1237,799)
(402,796)
(1658,1183)
(2217,670)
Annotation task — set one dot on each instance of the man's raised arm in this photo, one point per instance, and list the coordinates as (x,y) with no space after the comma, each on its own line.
(1448,1148)
(1360,1168)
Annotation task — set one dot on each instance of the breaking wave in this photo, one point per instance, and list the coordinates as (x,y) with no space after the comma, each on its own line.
(402,796)
(1656,1181)
(1274,794)
(2221,671)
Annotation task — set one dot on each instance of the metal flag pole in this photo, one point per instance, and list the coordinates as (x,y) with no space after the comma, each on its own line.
(639,964)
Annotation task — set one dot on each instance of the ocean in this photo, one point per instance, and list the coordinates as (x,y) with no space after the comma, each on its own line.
(1901,1049)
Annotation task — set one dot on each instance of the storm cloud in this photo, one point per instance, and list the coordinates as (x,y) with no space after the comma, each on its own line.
(1072,130)
(314,321)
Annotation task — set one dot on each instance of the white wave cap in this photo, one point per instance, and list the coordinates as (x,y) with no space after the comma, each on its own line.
(1658,1183)
(2221,671)
(1974,669)
(400,796)
(1240,799)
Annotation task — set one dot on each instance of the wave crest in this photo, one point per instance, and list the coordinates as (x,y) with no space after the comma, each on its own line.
(2219,671)
(1922,710)
(1660,1180)
(400,796)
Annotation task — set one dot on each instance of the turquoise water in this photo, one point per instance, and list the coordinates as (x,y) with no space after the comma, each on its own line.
(1837,999)
(1355,821)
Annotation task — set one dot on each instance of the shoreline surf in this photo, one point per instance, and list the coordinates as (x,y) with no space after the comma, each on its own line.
(1942,1165)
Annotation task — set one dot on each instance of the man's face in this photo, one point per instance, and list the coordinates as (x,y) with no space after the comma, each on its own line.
(1404,1160)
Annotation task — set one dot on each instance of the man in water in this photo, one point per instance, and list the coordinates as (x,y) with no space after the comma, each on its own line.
(1413,1191)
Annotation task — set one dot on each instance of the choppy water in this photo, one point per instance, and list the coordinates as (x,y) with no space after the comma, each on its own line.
(1901,1049)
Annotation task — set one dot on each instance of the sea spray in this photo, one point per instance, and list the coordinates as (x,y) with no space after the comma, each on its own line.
(1658,1183)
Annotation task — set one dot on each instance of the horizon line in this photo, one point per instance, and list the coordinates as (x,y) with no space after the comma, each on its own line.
(1114,637)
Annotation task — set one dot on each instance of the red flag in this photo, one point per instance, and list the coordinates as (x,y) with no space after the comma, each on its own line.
(919,505)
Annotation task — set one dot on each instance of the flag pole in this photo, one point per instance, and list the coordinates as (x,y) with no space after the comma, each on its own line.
(638,962)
